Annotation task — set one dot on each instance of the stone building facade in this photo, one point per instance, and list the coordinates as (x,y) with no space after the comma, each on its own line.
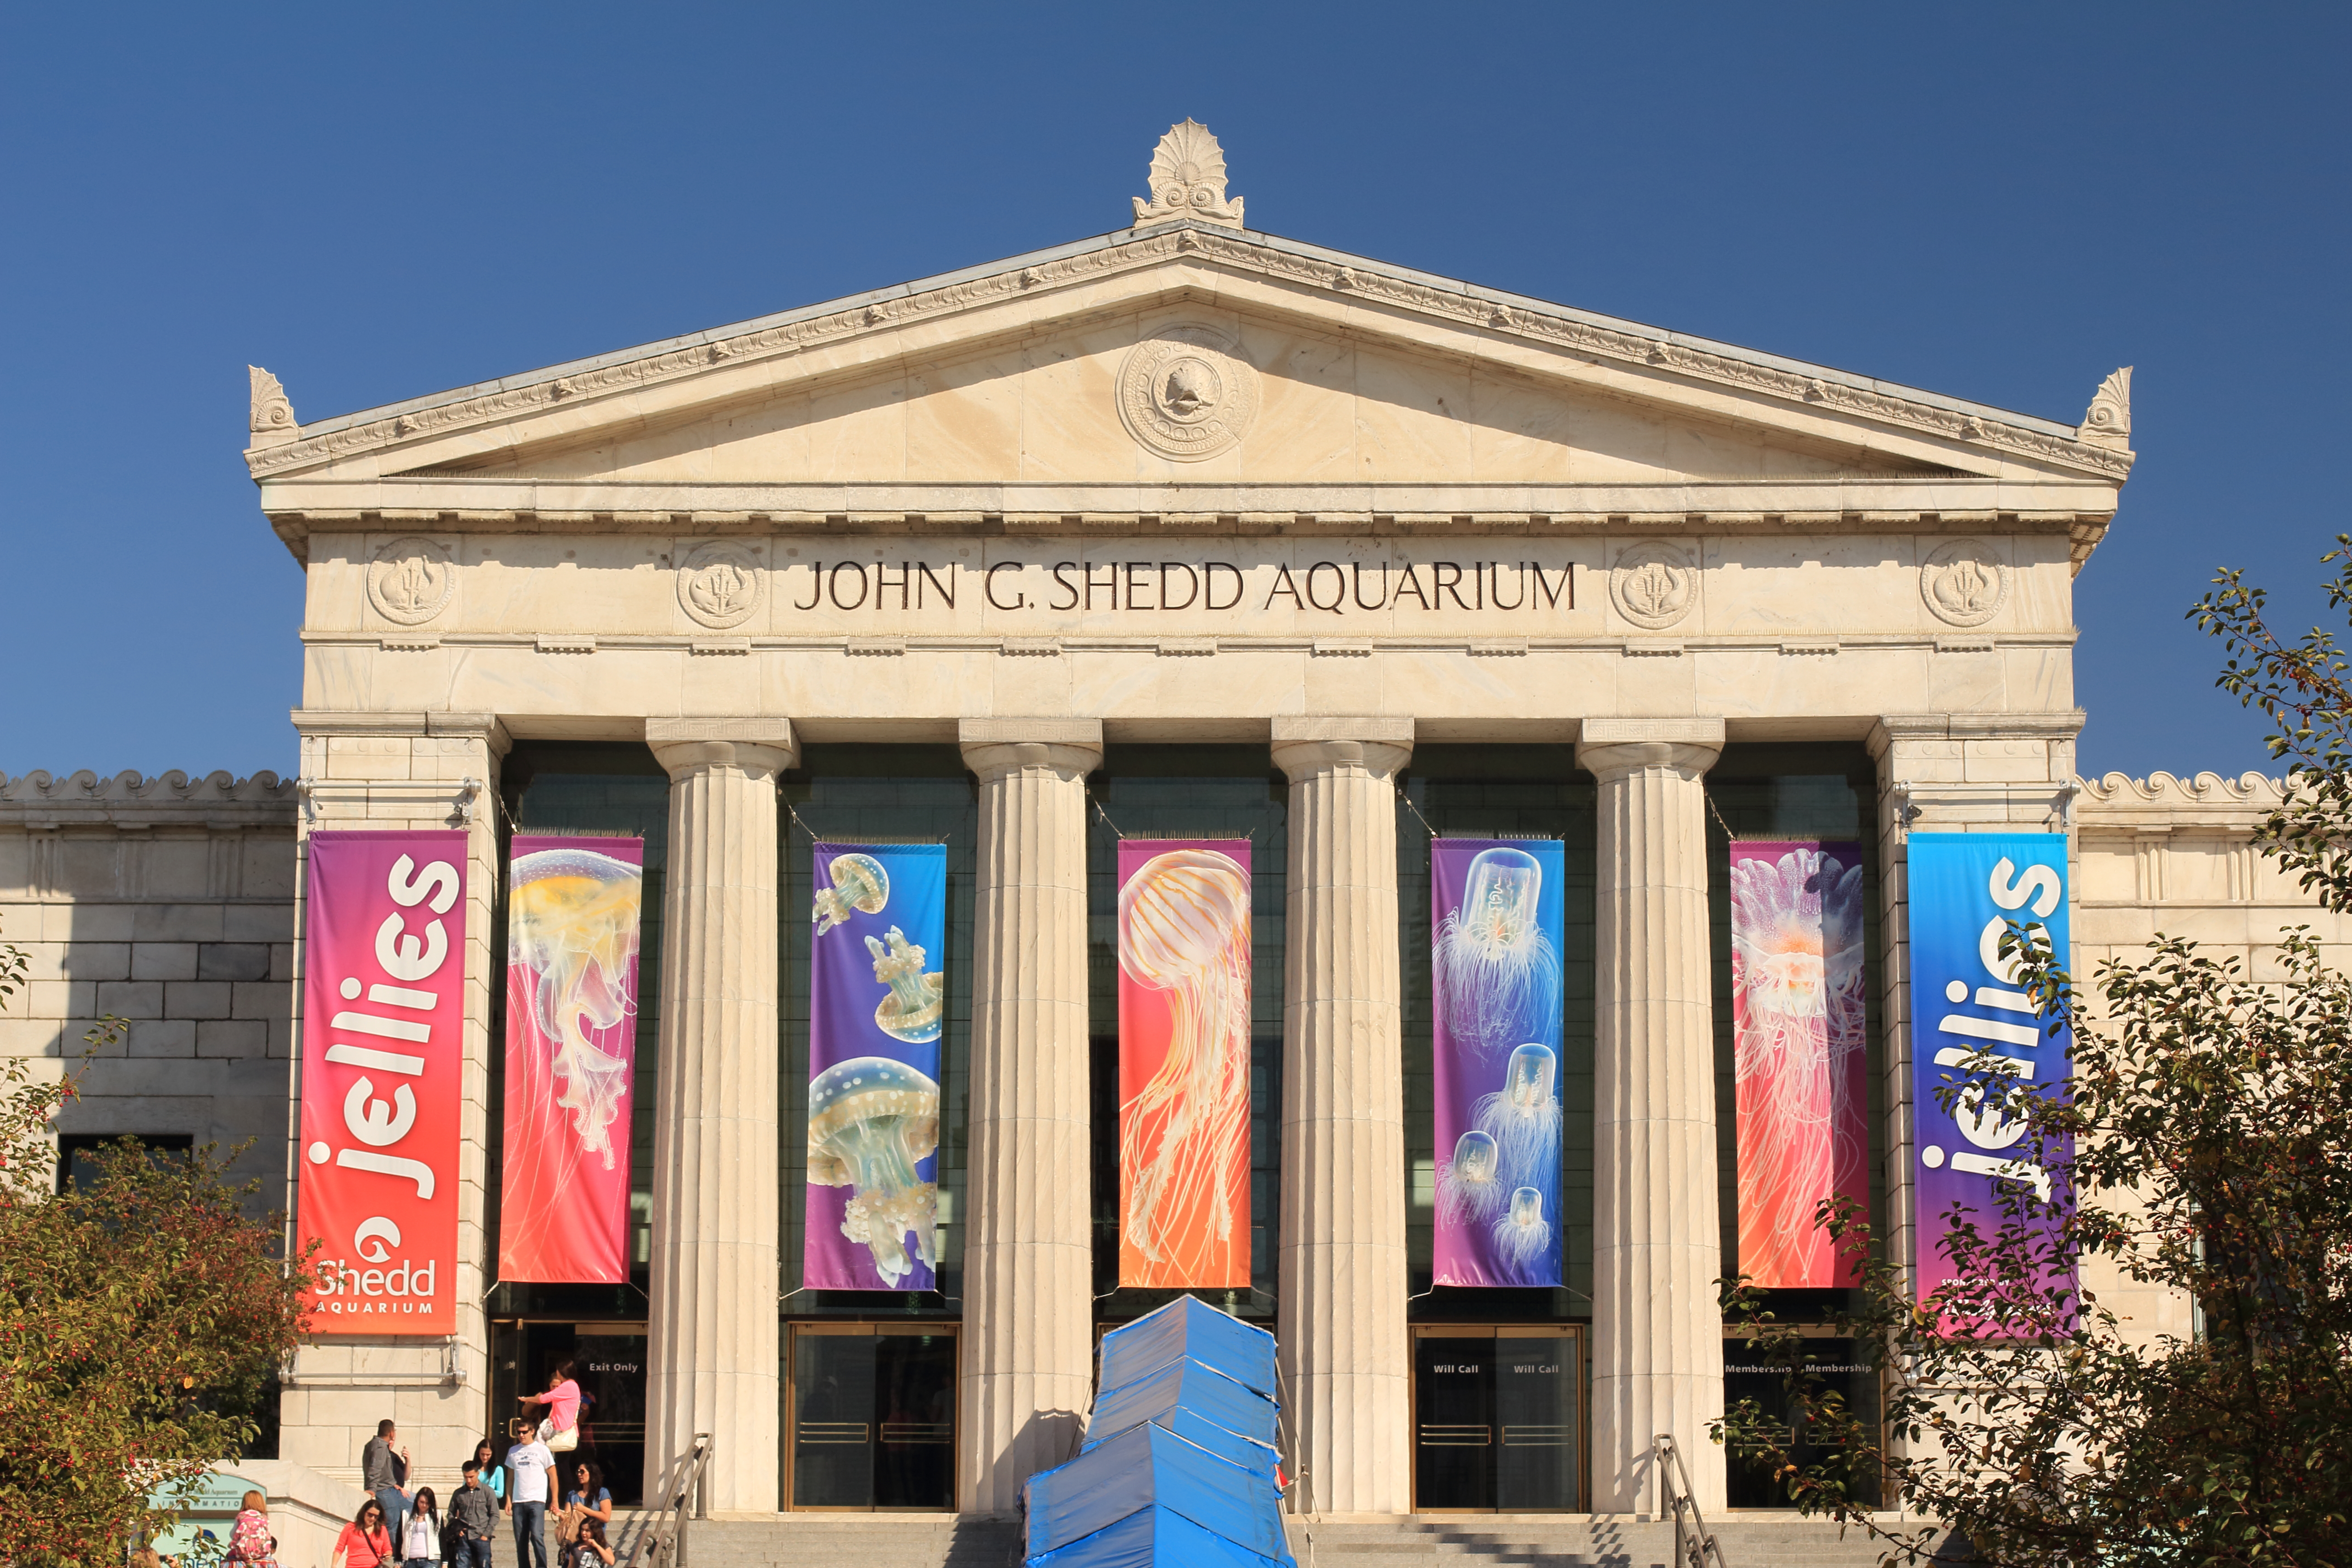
(1183,527)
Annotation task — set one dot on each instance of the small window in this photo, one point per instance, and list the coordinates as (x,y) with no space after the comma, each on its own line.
(74,1167)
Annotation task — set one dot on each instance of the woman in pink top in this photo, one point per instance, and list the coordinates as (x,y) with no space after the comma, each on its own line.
(561,1419)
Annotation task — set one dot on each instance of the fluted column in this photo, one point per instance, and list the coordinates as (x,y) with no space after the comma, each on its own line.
(1028,1334)
(715,1295)
(1658,1327)
(1344,1360)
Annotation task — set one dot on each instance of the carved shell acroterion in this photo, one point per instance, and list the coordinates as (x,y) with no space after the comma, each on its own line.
(1188,179)
(2108,419)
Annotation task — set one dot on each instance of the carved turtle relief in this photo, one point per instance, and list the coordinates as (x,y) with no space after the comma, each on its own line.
(1964,583)
(410,580)
(1654,584)
(719,585)
(1184,394)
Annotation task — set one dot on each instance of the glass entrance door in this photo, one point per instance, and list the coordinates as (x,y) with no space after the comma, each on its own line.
(608,1361)
(1498,1417)
(870,1416)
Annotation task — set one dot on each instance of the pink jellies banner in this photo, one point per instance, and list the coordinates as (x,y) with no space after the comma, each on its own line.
(573,910)
(383,1019)
(1798,1034)
(1185,1062)
(1495,916)
(878,1008)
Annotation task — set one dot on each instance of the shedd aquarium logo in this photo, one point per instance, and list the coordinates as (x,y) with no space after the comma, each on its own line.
(346,1290)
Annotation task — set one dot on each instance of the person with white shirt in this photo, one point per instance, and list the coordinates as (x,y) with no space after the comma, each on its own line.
(529,1466)
(419,1543)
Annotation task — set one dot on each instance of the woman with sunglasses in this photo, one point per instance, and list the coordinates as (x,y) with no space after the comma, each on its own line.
(365,1543)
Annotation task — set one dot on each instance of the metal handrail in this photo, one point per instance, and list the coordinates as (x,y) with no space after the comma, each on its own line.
(658,1542)
(1695,1547)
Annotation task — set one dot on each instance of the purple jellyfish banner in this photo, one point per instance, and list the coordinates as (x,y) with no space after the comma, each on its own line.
(1970,1016)
(1494,921)
(878,999)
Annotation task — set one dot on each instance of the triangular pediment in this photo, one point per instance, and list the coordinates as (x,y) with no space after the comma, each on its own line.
(1361,373)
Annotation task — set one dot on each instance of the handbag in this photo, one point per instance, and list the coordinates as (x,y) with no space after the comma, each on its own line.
(567,1523)
(557,1442)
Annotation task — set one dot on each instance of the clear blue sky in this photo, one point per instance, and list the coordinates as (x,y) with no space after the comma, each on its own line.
(378,202)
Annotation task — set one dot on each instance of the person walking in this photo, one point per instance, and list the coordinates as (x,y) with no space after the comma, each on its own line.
(529,1467)
(420,1533)
(384,1471)
(250,1545)
(364,1543)
(474,1518)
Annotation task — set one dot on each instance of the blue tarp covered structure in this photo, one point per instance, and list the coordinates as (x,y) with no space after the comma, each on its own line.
(1178,1463)
(1182,1383)
(1189,1327)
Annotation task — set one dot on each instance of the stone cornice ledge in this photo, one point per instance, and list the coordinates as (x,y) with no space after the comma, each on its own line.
(40,799)
(485,727)
(2117,803)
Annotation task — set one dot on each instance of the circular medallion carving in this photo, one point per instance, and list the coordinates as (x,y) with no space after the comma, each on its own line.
(1964,583)
(410,580)
(1183,394)
(1654,585)
(719,585)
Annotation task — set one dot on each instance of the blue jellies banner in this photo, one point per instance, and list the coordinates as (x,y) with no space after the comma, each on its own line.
(1494,922)
(1966,999)
(877,1000)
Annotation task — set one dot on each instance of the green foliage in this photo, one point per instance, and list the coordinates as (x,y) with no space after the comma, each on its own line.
(141,1314)
(2209,1123)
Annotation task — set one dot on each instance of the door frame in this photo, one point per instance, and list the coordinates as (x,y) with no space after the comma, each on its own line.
(896,1327)
(1575,1332)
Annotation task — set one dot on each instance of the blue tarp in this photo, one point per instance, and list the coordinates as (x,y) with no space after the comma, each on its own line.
(1142,1467)
(1182,1383)
(1206,1434)
(1157,1538)
(1189,1327)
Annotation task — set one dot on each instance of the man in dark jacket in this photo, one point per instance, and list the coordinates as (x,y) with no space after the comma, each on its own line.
(383,1469)
(474,1513)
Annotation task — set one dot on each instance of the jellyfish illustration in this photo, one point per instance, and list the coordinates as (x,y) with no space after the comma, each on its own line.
(916,1001)
(1184,928)
(1470,1185)
(872,1122)
(1797,1028)
(1497,973)
(1523,1237)
(572,926)
(1523,1118)
(860,886)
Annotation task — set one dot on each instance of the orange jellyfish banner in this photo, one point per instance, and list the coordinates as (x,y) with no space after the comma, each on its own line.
(573,913)
(1184,1063)
(1797,994)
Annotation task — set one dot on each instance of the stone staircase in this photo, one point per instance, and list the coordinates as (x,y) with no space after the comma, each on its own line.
(1528,1540)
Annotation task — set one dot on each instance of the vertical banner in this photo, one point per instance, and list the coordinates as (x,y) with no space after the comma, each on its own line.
(383,1018)
(1967,998)
(877,1003)
(1495,913)
(1184,1063)
(1797,1035)
(573,908)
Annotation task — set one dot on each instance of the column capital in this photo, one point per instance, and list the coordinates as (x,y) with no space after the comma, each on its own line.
(993,747)
(754,745)
(1304,747)
(1609,748)
(486,728)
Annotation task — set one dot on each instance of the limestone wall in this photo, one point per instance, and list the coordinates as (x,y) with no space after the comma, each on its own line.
(169,902)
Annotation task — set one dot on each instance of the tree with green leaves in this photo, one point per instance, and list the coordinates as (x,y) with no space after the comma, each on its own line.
(2203,1148)
(142,1309)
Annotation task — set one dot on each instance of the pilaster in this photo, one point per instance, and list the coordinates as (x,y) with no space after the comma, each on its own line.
(1028,1327)
(1657,1325)
(715,1309)
(386,771)
(1344,1361)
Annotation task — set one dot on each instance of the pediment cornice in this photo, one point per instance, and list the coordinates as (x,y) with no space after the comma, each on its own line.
(934,303)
